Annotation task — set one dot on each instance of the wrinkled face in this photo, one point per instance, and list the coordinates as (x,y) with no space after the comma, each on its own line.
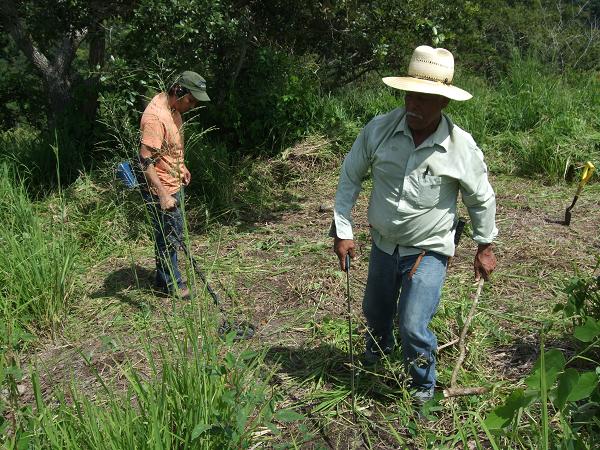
(185,103)
(423,111)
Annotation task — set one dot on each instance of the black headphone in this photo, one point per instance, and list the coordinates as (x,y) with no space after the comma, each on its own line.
(181,91)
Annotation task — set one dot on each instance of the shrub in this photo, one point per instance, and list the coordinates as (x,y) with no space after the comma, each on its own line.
(275,102)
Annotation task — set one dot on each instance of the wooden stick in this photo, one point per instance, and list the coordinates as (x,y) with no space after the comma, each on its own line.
(457,392)
(453,390)
(448,344)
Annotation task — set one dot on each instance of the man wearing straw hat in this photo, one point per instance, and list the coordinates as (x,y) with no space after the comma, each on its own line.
(419,160)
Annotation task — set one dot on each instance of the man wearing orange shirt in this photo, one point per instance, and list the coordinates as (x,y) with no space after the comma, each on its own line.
(162,162)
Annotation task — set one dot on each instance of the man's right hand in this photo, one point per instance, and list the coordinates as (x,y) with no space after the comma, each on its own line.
(342,247)
(167,202)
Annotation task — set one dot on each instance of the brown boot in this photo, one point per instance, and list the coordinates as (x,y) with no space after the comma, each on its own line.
(183,292)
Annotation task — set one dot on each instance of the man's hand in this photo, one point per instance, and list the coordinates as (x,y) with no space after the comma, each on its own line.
(485,262)
(342,247)
(187,176)
(167,202)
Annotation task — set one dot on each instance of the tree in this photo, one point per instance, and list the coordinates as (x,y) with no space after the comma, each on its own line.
(51,41)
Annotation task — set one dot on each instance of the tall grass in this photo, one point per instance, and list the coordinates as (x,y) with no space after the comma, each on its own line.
(534,122)
(37,259)
(199,394)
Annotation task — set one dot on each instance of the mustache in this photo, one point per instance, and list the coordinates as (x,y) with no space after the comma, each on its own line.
(415,115)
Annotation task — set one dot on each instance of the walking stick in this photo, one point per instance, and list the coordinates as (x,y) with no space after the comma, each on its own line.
(453,390)
(352,394)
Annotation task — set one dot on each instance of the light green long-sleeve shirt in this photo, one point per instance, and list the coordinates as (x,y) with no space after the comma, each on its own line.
(413,203)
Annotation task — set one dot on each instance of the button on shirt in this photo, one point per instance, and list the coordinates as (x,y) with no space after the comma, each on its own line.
(413,204)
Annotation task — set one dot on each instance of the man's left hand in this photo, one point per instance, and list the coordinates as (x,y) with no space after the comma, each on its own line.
(485,262)
(187,176)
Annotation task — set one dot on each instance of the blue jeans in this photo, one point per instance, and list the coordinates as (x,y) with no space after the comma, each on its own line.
(168,234)
(418,302)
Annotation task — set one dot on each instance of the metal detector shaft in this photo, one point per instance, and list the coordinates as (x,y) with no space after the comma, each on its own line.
(212,293)
(242,329)
(352,397)
(210,290)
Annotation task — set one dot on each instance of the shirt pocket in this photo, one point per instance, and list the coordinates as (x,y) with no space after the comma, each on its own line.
(429,190)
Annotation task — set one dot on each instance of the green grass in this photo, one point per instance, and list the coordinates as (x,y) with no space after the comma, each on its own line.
(200,393)
(534,123)
(38,260)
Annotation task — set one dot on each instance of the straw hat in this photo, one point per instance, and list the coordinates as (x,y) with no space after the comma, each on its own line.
(430,71)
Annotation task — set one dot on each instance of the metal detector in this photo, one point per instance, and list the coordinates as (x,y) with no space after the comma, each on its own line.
(243,330)
(352,391)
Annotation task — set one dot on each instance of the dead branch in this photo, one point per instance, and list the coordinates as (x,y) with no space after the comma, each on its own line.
(453,390)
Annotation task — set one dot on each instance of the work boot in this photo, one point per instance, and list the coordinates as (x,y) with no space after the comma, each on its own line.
(420,396)
(182,292)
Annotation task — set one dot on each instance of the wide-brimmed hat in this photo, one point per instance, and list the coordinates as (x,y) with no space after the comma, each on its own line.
(195,84)
(430,71)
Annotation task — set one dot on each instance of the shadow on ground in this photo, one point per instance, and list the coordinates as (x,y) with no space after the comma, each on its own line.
(329,367)
(128,284)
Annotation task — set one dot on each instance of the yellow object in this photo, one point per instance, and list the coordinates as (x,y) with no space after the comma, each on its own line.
(588,170)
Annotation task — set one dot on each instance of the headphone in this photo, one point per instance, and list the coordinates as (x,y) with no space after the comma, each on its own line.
(181,92)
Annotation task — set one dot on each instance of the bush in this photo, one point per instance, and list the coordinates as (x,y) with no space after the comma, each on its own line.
(276,100)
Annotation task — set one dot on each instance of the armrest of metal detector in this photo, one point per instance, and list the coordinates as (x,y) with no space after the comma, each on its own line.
(125,173)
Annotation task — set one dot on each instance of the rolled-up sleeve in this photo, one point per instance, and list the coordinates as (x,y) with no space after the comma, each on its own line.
(355,167)
(479,198)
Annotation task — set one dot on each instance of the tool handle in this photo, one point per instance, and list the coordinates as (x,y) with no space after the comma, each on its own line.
(347,262)
(588,171)
(460,226)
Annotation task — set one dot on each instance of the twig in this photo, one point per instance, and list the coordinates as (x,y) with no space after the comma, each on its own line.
(453,390)
(457,392)
(448,344)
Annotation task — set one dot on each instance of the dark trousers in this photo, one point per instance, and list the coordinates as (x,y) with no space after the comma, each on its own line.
(168,236)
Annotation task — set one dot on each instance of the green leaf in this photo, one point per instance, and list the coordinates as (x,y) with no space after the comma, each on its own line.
(566,383)
(588,331)
(247,355)
(273,428)
(501,416)
(288,415)
(554,362)
(588,381)
(199,429)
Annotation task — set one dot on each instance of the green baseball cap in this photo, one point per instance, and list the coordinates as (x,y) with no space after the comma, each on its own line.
(195,84)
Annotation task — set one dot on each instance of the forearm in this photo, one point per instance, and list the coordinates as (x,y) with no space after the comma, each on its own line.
(154,181)
(481,205)
(354,168)
(483,222)
(342,214)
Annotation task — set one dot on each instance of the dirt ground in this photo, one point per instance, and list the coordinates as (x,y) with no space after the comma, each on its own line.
(278,271)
